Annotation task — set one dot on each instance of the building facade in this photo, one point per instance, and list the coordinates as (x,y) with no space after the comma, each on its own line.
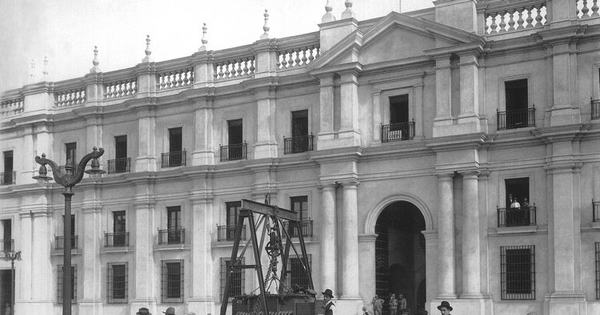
(451,153)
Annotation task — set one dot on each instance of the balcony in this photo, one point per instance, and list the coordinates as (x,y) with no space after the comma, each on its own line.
(120,165)
(173,159)
(518,118)
(8,178)
(298,144)
(233,152)
(596,210)
(306,227)
(171,236)
(116,239)
(595,104)
(7,245)
(59,242)
(226,233)
(513,217)
(398,131)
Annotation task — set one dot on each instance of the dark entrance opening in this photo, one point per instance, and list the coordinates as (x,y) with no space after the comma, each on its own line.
(400,255)
(5,288)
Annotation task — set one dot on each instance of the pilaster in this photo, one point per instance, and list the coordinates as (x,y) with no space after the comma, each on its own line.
(201,300)
(203,69)
(91,298)
(326,97)
(266,104)
(203,153)
(443,94)
(144,264)
(469,93)
(147,159)
(349,131)
(328,239)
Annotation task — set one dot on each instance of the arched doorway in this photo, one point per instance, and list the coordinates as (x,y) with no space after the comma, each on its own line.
(400,254)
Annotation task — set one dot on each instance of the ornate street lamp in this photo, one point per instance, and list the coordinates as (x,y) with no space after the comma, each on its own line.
(68,178)
(12,256)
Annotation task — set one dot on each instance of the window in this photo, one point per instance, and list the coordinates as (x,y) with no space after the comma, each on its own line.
(517,114)
(236,148)
(296,273)
(176,155)
(518,211)
(117,282)
(60,240)
(172,281)
(517,272)
(119,228)
(174,225)
(597,271)
(300,205)
(59,284)
(233,210)
(8,176)
(7,241)
(237,278)
(300,141)
(71,154)
(399,128)
(121,161)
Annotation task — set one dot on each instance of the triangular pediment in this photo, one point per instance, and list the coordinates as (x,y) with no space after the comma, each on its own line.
(394,37)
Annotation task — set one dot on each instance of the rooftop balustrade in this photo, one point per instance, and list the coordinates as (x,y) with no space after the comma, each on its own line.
(508,16)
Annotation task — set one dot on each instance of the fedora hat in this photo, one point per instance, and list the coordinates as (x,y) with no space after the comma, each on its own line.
(328,293)
(444,304)
(170,311)
(143,311)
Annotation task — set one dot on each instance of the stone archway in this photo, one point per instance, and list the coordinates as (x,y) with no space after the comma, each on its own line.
(400,253)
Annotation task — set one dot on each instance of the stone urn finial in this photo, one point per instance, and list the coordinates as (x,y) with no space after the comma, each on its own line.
(328,17)
(266,27)
(95,62)
(45,70)
(147,51)
(204,40)
(348,13)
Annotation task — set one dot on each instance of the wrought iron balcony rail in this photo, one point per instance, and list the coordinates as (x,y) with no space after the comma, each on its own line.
(306,227)
(596,210)
(120,165)
(7,245)
(227,233)
(8,178)
(398,131)
(173,159)
(298,144)
(59,242)
(233,152)
(512,217)
(517,118)
(116,239)
(595,104)
(171,236)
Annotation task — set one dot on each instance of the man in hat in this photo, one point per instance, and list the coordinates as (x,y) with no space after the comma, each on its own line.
(169,311)
(445,308)
(143,311)
(329,305)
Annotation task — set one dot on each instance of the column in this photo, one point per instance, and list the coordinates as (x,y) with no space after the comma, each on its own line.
(349,235)
(471,237)
(203,153)
(266,145)
(143,274)
(146,160)
(446,289)
(328,239)
(349,129)
(201,300)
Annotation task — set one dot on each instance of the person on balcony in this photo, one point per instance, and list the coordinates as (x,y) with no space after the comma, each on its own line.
(515,204)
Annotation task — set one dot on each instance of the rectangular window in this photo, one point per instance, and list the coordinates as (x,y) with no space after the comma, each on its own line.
(172,281)
(300,123)
(174,224)
(517,272)
(518,210)
(517,104)
(71,153)
(399,127)
(175,147)
(7,242)
(237,279)
(119,228)
(233,210)
(297,275)
(59,284)
(235,130)
(117,282)
(300,140)
(121,160)
(597,271)
(299,204)
(399,109)
(8,174)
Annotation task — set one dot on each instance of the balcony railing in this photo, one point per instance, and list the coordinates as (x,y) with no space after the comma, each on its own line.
(171,236)
(595,104)
(8,178)
(227,233)
(306,227)
(59,242)
(398,131)
(512,217)
(596,210)
(173,159)
(586,9)
(116,239)
(298,144)
(120,165)
(11,107)
(7,245)
(517,118)
(233,152)
(501,17)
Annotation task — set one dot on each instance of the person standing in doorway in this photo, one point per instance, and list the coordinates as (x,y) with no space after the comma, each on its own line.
(7,310)
(393,304)
(401,301)
(377,305)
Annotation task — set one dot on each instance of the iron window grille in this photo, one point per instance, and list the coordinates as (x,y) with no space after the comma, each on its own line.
(120,165)
(59,284)
(237,282)
(597,271)
(172,281)
(517,271)
(596,210)
(59,242)
(516,118)
(296,273)
(233,152)
(595,104)
(398,131)
(298,144)
(171,236)
(8,178)
(173,159)
(117,282)
(512,217)
(116,239)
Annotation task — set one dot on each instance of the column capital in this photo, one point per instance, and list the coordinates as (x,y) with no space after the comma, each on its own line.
(350,183)
(470,173)
(445,176)
(430,234)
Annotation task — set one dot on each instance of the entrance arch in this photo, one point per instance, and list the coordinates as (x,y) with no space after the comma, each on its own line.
(400,254)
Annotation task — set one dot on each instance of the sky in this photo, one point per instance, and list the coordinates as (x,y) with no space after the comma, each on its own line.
(66,31)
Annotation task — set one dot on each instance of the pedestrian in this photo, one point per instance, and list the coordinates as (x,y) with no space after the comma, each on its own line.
(143,311)
(445,308)
(401,301)
(7,310)
(329,305)
(377,305)
(393,304)
(170,311)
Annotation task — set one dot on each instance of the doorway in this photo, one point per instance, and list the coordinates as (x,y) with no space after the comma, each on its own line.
(400,255)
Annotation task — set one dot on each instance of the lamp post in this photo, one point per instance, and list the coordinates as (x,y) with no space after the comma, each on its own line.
(12,256)
(68,178)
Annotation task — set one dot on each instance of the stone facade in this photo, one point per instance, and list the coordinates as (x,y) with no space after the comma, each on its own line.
(413,109)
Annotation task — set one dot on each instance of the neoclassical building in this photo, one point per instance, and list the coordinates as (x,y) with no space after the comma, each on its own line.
(451,153)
